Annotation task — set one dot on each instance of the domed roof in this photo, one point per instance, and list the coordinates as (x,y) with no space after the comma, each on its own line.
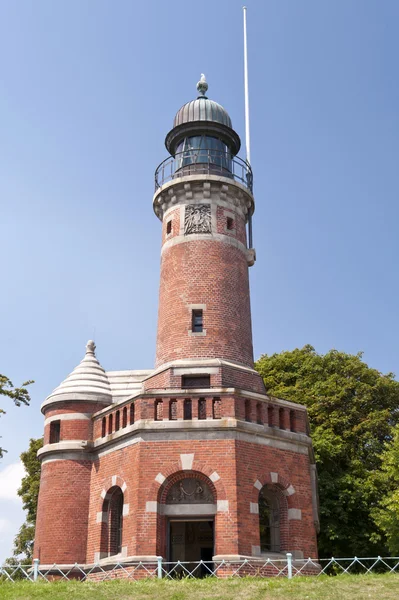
(87,381)
(202,109)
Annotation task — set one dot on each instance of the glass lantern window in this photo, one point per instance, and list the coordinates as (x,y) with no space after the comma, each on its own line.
(203,149)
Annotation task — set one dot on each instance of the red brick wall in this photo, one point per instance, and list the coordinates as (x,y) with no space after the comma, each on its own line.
(293,469)
(62,514)
(211,273)
(238,464)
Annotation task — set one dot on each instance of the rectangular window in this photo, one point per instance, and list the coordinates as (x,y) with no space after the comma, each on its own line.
(197,321)
(196,381)
(168,227)
(55,431)
(230,223)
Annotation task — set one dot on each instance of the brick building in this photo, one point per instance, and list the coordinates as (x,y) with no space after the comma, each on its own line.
(192,459)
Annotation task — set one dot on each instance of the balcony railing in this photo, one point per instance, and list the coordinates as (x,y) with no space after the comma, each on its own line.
(200,161)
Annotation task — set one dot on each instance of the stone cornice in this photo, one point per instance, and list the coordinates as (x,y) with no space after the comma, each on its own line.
(203,188)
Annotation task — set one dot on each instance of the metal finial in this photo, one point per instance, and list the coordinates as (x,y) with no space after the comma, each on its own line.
(202,86)
(90,347)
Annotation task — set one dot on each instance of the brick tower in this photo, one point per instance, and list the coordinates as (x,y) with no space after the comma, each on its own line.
(191,460)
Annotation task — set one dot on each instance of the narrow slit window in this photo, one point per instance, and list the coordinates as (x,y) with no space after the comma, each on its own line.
(104,427)
(55,431)
(281,418)
(217,408)
(131,414)
(230,223)
(270,416)
(124,418)
(259,419)
(292,420)
(158,410)
(117,420)
(197,324)
(173,410)
(247,410)
(202,408)
(168,227)
(187,409)
(110,424)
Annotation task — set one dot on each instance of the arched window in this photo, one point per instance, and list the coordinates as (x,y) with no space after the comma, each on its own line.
(112,525)
(269,521)
(109,424)
(124,417)
(131,414)
(104,427)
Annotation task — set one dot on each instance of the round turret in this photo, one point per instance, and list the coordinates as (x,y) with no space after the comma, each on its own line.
(87,382)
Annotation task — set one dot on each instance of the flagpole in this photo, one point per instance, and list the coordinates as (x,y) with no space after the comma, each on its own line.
(247,134)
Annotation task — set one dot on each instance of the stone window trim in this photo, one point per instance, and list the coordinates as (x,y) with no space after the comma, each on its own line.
(191,309)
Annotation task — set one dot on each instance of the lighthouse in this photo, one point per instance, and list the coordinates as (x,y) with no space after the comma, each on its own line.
(190,460)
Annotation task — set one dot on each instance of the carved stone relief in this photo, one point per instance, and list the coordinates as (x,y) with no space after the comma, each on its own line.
(197,219)
(190,491)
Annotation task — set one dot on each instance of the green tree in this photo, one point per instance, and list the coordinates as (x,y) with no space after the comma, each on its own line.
(386,515)
(352,410)
(19,395)
(29,492)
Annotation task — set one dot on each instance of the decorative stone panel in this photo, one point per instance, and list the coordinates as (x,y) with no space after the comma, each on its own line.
(197,219)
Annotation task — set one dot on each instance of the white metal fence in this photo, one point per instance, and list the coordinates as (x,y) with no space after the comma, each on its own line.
(134,571)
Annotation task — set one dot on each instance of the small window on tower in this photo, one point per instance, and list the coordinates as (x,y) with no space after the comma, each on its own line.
(168,227)
(230,224)
(197,321)
(55,430)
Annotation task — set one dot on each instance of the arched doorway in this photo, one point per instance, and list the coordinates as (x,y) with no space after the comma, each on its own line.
(189,508)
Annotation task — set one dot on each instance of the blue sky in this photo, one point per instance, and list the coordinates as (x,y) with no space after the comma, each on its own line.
(89,89)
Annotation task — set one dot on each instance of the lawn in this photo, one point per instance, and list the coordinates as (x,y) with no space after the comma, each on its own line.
(344,587)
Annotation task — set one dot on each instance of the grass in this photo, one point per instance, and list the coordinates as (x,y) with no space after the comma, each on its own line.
(344,587)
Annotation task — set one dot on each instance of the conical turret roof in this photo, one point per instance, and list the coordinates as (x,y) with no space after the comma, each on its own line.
(88,381)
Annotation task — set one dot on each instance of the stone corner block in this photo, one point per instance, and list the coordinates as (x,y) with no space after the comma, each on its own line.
(255,550)
(214,477)
(295,513)
(222,505)
(289,491)
(160,478)
(258,485)
(254,508)
(151,506)
(125,510)
(274,477)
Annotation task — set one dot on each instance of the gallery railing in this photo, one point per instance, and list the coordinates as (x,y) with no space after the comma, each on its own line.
(199,161)
(160,569)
